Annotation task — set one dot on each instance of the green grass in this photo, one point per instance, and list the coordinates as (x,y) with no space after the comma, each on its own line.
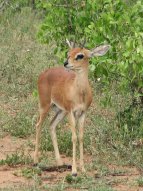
(111,128)
(16,159)
(31,172)
(140,181)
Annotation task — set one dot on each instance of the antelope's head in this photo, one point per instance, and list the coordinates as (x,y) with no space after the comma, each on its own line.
(78,58)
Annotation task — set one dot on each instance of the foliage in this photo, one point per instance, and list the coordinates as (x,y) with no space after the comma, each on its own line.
(64,140)
(130,122)
(30,172)
(21,126)
(19,69)
(140,181)
(16,159)
(118,23)
(13,5)
(70,179)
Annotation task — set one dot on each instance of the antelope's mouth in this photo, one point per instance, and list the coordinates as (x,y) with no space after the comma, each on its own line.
(69,67)
(72,68)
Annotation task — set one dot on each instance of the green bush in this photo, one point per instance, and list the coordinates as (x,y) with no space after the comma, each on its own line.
(118,23)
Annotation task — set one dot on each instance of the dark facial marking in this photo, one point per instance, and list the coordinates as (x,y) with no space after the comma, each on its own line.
(66,63)
(79,57)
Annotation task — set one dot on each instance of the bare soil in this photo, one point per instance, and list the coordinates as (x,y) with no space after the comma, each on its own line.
(11,176)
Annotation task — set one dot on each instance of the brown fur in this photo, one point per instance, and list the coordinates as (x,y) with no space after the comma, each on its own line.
(67,88)
(59,86)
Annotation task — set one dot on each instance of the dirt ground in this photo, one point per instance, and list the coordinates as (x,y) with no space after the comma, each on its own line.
(9,176)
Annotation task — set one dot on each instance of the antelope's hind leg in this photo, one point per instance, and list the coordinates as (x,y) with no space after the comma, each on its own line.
(43,114)
(58,117)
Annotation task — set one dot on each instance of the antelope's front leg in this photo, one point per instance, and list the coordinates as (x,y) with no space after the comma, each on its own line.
(81,121)
(74,140)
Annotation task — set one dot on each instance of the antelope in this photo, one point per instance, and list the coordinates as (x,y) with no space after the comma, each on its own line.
(67,87)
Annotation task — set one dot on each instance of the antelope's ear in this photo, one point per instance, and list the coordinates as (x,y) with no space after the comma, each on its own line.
(99,51)
(70,44)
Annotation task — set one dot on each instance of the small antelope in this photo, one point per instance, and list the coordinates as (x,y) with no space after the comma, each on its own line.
(68,89)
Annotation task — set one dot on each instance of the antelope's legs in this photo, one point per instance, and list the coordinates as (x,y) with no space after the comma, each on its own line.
(74,140)
(59,116)
(81,129)
(43,113)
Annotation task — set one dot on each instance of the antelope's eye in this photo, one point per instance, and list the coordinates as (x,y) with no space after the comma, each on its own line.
(79,57)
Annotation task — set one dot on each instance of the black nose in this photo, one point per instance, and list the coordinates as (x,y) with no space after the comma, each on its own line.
(66,63)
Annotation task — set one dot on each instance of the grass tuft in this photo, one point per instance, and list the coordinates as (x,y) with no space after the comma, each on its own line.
(16,159)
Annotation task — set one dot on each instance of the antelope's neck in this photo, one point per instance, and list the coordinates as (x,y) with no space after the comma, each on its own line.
(82,79)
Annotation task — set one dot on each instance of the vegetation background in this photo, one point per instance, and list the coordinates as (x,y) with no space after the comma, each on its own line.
(32,38)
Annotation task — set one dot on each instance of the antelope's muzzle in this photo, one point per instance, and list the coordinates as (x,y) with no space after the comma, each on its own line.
(65,63)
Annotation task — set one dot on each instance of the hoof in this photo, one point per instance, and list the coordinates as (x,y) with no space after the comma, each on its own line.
(69,167)
(74,174)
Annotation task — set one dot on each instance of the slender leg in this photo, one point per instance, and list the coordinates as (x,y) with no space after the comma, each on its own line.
(59,116)
(43,113)
(74,140)
(81,126)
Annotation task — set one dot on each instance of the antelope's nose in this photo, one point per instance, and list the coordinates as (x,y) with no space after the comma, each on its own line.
(66,63)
